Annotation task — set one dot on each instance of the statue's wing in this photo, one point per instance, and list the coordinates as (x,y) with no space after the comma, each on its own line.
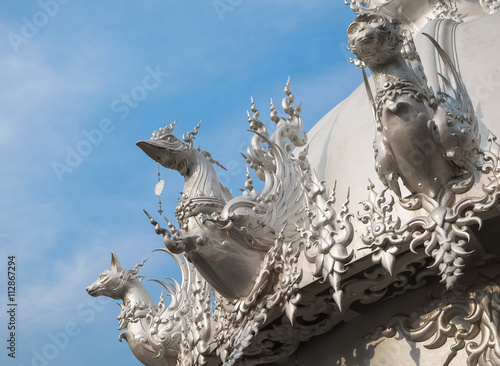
(257,217)
(455,118)
(454,86)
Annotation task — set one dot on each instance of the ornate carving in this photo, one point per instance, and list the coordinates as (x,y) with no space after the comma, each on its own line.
(360,6)
(161,335)
(242,257)
(239,321)
(153,332)
(477,312)
(444,232)
(281,339)
(383,232)
(436,9)
(491,168)
(409,272)
(429,142)
(317,315)
(444,10)
(490,6)
(328,236)
(242,230)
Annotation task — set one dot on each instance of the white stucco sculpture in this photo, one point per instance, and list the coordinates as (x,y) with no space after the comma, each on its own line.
(268,270)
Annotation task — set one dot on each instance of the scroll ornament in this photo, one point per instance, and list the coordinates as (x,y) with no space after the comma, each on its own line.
(463,317)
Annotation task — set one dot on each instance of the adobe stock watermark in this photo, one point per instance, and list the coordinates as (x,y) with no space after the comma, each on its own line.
(120,106)
(32,25)
(223,6)
(59,341)
(487,87)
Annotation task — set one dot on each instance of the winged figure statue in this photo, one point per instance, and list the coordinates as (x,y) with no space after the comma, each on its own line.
(426,140)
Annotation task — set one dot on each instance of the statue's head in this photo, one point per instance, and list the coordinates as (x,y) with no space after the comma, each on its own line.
(374,39)
(168,150)
(114,281)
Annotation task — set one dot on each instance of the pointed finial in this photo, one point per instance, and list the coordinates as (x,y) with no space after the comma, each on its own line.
(274,113)
(287,87)
(189,137)
(337,297)
(254,109)
(171,226)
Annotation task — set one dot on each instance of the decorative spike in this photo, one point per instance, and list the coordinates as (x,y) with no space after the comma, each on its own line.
(210,158)
(135,270)
(288,100)
(171,226)
(158,229)
(189,137)
(287,87)
(274,113)
(254,109)
(249,182)
(337,297)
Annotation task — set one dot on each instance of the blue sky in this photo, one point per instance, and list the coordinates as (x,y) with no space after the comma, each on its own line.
(81,83)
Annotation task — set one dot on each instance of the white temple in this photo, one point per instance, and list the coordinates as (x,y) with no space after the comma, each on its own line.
(316,269)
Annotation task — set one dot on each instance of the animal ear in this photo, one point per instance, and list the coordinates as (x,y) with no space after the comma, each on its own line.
(115,263)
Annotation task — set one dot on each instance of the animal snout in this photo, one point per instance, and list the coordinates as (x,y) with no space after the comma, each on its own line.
(91,290)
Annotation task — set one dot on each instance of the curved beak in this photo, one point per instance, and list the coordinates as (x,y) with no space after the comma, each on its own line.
(154,149)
